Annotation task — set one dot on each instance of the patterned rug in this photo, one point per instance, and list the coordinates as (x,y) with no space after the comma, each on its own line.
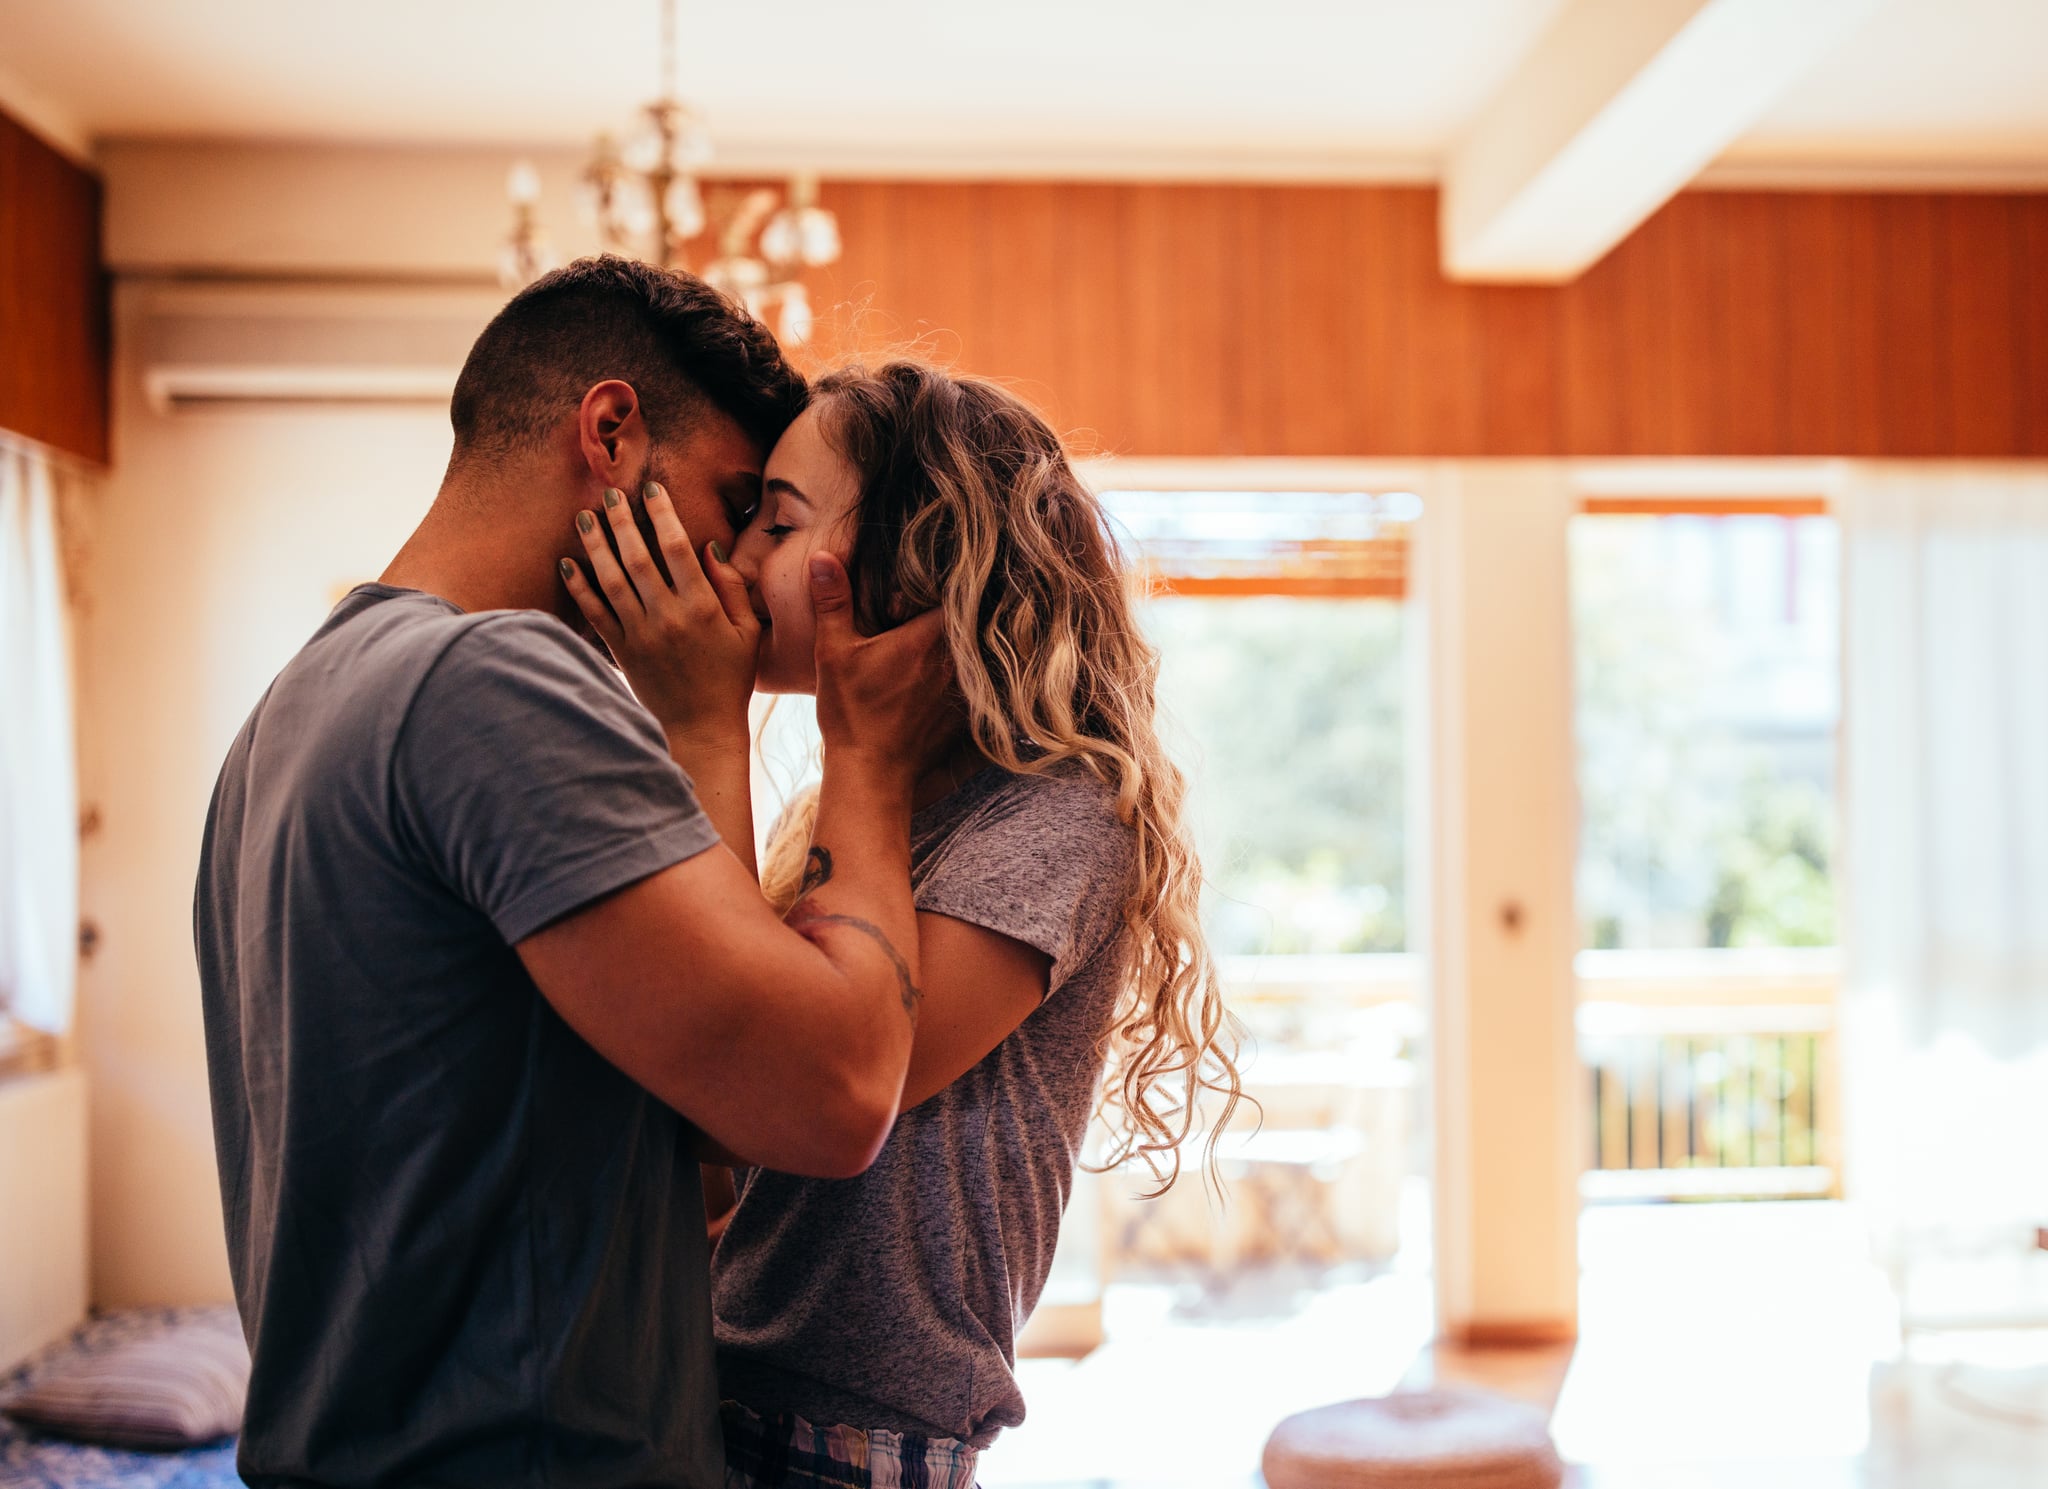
(50,1463)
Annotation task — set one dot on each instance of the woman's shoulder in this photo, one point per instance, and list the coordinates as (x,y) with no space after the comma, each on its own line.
(1065,794)
(1039,855)
(1061,810)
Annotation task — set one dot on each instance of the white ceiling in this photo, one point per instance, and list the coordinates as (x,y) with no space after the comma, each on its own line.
(1942,83)
(1173,87)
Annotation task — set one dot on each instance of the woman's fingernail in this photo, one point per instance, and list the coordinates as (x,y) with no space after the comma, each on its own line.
(568,568)
(718,551)
(653,489)
(586,522)
(613,496)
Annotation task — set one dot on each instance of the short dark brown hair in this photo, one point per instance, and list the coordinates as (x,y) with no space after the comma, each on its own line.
(679,342)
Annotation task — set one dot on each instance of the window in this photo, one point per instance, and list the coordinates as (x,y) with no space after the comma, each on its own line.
(1708,692)
(1286,715)
(1708,656)
(38,774)
(1282,671)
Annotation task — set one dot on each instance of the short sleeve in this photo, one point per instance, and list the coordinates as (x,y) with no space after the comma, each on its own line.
(1045,861)
(533,782)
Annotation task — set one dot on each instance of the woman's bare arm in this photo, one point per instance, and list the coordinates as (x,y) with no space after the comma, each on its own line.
(979,985)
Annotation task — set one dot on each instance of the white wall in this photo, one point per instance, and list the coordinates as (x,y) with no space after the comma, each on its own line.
(42,1196)
(437,213)
(220,541)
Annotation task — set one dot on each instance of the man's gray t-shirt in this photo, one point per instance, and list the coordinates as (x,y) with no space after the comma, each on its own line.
(892,1300)
(467,1250)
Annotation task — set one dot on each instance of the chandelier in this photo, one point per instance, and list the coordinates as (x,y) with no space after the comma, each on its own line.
(646,202)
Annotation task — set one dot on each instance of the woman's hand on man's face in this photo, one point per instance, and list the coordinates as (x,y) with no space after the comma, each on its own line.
(688,643)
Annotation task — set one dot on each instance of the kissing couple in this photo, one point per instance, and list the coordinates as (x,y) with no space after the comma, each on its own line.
(560,1145)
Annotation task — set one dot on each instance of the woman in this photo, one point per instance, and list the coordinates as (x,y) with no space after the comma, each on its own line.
(866,1327)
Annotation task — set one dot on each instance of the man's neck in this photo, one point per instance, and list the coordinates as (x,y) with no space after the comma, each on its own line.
(478,556)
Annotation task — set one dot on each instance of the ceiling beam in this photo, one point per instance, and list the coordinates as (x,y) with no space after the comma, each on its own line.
(1614,110)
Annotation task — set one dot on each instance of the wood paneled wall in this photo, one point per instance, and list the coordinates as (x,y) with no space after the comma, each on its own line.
(53,298)
(1218,320)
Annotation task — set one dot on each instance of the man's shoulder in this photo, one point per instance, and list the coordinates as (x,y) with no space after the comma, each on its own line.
(375,621)
(516,691)
(521,658)
(377,632)
(406,643)
(387,658)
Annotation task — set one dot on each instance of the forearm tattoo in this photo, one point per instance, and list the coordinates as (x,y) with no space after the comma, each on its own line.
(803,919)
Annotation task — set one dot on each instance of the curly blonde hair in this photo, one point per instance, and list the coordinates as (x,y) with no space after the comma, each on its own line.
(970,505)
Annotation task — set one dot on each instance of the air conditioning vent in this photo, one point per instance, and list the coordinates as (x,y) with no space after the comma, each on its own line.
(174,386)
(207,346)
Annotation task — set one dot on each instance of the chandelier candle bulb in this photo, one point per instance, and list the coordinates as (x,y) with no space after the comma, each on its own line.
(642,154)
(818,230)
(522,184)
(637,212)
(685,208)
(782,239)
(526,253)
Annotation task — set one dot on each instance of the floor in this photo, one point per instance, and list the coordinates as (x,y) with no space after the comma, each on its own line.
(1721,1346)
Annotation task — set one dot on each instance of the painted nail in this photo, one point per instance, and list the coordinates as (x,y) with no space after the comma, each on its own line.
(718,552)
(653,489)
(613,496)
(586,522)
(568,568)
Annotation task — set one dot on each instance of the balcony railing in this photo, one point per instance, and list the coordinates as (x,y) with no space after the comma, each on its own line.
(1711,1074)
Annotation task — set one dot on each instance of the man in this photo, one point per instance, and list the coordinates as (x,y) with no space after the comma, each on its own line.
(471,950)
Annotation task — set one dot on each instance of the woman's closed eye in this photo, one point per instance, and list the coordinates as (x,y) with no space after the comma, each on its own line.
(777,530)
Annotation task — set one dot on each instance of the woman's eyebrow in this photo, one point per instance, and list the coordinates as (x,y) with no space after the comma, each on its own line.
(776,486)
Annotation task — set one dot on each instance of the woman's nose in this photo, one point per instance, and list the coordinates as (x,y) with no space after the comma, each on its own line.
(746,554)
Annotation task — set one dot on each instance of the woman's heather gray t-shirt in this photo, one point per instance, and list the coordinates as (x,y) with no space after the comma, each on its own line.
(892,1300)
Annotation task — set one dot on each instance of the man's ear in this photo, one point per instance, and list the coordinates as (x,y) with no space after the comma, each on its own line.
(611,432)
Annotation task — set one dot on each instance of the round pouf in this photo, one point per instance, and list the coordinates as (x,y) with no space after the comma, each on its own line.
(1454,1438)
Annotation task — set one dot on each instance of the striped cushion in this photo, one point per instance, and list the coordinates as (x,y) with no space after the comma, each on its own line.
(174,1385)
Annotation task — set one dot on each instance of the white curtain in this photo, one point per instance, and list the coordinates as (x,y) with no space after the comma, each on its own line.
(1945,1003)
(38,768)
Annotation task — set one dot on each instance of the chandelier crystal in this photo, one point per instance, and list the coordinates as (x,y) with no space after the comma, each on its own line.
(646,201)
